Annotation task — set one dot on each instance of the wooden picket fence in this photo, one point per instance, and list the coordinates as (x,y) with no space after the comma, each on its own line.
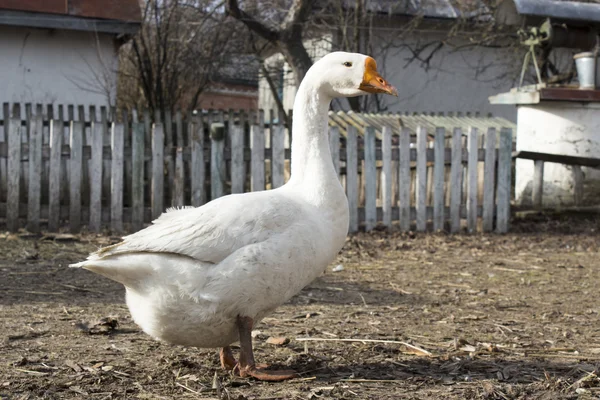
(119,171)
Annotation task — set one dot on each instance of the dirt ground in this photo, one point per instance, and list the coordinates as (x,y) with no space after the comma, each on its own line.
(406,317)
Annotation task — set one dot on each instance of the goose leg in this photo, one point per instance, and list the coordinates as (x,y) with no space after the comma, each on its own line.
(227,360)
(247,365)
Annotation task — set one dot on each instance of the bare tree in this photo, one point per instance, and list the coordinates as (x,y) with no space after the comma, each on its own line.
(286,35)
(180,47)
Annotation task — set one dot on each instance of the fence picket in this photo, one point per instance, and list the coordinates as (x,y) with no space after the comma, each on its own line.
(438,179)
(238,166)
(503,185)
(217,162)
(277,156)
(13,174)
(352,177)
(421,179)
(158,175)
(456,180)
(51,176)
(35,174)
(75,168)
(96,177)
(198,167)
(137,176)
(472,181)
(386,176)
(334,147)
(489,180)
(370,176)
(54,181)
(257,168)
(404,179)
(116,188)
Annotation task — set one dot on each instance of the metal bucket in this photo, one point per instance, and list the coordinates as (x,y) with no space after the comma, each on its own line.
(586,70)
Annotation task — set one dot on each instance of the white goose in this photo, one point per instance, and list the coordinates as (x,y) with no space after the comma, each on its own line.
(205,276)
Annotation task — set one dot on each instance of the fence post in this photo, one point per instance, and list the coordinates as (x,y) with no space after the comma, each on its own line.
(421,182)
(370,176)
(489,180)
(504,179)
(404,179)
(352,177)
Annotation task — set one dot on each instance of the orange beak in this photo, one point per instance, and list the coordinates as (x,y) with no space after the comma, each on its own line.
(373,82)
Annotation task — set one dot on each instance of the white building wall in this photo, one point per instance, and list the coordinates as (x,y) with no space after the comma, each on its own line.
(60,67)
(455,80)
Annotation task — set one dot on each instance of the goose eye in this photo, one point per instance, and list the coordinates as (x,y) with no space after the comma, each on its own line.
(348,64)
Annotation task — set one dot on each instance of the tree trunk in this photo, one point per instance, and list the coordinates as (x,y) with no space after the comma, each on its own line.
(296,55)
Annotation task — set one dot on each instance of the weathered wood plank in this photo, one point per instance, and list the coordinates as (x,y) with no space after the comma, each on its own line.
(277,155)
(198,166)
(456,180)
(137,175)
(421,178)
(116,187)
(386,175)
(370,174)
(503,185)
(577,185)
(13,174)
(257,169)
(96,177)
(558,158)
(217,162)
(404,179)
(54,181)
(537,188)
(352,177)
(75,175)
(238,166)
(334,147)
(158,176)
(438,179)
(35,174)
(489,180)
(472,180)
(179,184)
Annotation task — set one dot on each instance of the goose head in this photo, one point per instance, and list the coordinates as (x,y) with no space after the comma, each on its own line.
(341,74)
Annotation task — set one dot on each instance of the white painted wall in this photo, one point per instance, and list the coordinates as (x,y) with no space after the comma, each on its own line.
(455,81)
(566,128)
(60,67)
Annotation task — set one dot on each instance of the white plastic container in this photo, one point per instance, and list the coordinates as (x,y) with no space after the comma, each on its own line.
(586,70)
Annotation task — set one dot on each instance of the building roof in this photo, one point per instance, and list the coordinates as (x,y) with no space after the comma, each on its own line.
(107,16)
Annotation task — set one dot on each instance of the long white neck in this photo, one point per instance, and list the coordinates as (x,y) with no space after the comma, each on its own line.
(311,158)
